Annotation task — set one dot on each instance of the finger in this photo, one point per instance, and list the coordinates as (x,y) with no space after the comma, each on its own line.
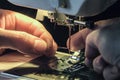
(52,50)
(91,50)
(32,26)
(77,41)
(23,42)
(111,73)
(26,24)
(99,64)
(15,21)
(38,30)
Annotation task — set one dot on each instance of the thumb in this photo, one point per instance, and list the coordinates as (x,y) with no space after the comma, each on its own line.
(77,40)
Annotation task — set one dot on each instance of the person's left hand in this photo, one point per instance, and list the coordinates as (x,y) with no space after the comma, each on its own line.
(25,34)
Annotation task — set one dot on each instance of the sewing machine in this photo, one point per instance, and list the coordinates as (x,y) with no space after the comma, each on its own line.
(66,65)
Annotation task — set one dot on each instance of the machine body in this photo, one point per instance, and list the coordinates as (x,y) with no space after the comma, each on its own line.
(60,11)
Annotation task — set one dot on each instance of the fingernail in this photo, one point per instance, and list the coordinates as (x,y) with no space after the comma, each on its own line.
(27,56)
(40,45)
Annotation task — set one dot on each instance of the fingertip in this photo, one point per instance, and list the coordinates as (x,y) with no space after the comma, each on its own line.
(40,46)
(77,40)
(52,50)
(88,62)
(99,64)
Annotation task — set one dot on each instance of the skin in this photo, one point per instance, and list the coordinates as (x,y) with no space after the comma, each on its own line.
(25,34)
(101,47)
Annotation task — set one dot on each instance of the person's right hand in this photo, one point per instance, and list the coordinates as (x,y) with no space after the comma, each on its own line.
(102,48)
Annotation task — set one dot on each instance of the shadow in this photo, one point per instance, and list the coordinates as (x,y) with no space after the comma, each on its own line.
(44,67)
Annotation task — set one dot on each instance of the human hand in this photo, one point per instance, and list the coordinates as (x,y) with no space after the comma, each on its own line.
(101,48)
(25,34)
